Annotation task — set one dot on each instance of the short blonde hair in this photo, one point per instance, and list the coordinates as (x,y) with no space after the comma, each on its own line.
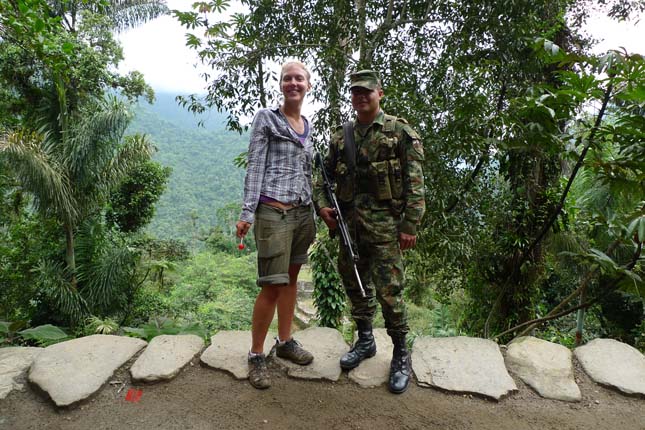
(288,64)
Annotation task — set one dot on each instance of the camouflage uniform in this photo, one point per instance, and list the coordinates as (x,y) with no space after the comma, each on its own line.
(386,197)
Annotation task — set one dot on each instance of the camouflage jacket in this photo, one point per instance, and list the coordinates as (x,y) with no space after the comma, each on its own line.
(388,191)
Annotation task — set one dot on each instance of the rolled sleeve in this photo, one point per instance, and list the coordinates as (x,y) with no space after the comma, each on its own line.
(257,154)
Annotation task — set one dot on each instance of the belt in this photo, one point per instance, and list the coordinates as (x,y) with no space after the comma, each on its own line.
(279,205)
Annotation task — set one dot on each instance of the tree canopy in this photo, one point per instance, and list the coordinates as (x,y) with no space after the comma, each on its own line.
(512,108)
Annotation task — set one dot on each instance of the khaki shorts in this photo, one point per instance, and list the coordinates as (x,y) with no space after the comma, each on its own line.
(282,238)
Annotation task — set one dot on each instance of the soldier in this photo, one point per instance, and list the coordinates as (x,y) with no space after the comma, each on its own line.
(381,196)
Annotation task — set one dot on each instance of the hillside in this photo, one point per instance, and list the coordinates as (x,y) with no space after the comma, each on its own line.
(203,177)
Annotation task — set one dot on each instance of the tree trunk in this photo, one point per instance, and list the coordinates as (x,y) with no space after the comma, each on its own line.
(70,257)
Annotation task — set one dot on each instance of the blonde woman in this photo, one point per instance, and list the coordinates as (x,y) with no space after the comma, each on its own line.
(277,202)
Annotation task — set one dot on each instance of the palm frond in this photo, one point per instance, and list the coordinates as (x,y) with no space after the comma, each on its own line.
(130,13)
(39,172)
(566,241)
(94,136)
(107,275)
(54,284)
(134,150)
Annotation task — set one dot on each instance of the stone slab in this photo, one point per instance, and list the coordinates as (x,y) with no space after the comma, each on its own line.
(461,364)
(327,346)
(14,363)
(165,356)
(375,371)
(229,351)
(73,370)
(613,363)
(545,366)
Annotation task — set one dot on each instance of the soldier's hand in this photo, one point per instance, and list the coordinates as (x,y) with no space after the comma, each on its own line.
(407,241)
(329,216)
(242,228)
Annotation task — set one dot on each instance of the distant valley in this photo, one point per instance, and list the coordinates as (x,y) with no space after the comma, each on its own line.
(203,178)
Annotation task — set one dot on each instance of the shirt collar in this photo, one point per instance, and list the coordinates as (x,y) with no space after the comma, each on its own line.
(380,119)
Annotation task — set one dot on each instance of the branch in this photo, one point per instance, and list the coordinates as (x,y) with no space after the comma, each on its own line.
(482,159)
(579,163)
(583,286)
(551,315)
(388,24)
(390,8)
(362,31)
(548,318)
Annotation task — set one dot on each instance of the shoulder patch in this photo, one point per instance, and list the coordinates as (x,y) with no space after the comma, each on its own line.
(403,120)
(411,132)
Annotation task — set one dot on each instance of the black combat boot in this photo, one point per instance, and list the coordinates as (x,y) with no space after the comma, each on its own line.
(401,366)
(363,348)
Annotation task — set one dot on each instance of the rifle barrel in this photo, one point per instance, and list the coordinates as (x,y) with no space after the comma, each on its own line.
(342,225)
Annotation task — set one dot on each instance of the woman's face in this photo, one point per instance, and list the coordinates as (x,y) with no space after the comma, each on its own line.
(294,84)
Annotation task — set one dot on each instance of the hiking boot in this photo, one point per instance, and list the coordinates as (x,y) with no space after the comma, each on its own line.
(258,372)
(401,365)
(364,347)
(293,351)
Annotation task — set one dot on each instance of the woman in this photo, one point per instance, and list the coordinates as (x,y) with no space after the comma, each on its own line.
(277,201)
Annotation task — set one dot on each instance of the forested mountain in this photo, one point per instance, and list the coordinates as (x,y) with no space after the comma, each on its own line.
(203,175)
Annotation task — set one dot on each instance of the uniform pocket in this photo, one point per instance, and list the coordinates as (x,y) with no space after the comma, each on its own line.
(380,179)
(380,225)
(396,178)
(344,185)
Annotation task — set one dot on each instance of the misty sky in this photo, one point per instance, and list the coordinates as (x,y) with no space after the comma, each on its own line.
(158,50)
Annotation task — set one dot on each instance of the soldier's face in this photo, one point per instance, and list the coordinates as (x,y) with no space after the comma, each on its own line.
(366,101)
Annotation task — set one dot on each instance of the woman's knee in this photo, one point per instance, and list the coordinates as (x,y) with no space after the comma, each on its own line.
(270,292)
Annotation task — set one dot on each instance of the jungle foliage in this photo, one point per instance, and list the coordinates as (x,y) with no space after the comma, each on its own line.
(203,179)
(63,153)
(534,164)
(515,112)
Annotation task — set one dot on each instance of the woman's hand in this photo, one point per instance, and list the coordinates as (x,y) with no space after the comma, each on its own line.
(242,228)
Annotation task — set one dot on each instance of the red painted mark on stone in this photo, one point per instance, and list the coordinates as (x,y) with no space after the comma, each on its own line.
(133,395)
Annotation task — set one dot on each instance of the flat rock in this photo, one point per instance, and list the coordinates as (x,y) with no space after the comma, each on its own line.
(375,371)
(327,346)
(14,363)
(544,366)
(73,370)
(165,356)
(229,350)
(461,364)
(613,363)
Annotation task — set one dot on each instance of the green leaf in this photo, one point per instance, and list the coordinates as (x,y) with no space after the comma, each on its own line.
(39,25)
(67,47)
(601,257)
(43,334)
(135,332)
(637,226)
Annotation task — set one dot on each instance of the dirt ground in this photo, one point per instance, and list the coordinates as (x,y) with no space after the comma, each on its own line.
(203,398)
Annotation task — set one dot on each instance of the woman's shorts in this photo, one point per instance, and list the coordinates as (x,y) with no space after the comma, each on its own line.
(283,238)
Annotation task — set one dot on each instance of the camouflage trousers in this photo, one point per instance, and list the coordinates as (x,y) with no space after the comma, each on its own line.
(381,270)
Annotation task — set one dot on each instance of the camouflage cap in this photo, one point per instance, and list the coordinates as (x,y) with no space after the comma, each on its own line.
(365,79)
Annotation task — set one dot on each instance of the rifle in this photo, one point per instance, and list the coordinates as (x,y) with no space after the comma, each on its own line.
(342,225)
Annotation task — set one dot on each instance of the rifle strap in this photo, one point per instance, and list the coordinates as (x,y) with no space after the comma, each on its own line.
(350,147)
(350,159)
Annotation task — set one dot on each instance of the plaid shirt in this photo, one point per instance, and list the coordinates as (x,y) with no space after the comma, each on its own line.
(279,166)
